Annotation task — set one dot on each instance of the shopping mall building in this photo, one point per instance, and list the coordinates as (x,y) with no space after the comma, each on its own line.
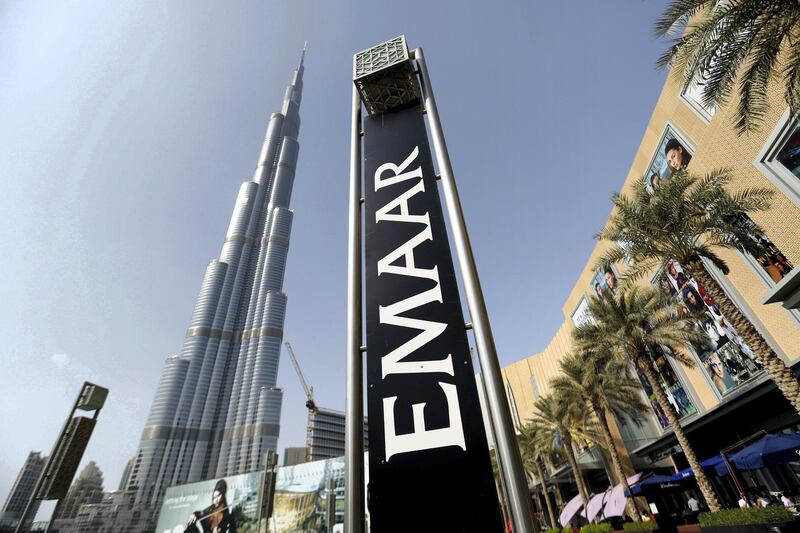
(725,396)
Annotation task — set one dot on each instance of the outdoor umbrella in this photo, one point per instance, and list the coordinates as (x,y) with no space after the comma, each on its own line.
(615,502)
(655,482)
(595,505)
(773,448)
(570,509)
(708,464)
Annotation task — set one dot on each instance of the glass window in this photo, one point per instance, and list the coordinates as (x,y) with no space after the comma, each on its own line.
(535,387)
(693,96)
(581,314)
(772,261)
(672,154)
(779,159)
(727,360)
(606,280)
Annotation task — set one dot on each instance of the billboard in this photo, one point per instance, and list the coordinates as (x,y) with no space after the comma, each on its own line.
(222,505)
(429,459)
(301,497)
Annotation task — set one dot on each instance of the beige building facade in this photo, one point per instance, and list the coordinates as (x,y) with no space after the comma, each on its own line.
(705,399)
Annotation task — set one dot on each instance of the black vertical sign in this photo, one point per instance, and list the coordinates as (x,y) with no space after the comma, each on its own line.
(429,466)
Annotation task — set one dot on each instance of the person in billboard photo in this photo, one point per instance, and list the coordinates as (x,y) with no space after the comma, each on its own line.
(654,181)
(676,273)
(216,518)
(666,287)
(598,289)
(677,156)
(611,278)
(715,338)
(693,300)
(719,376)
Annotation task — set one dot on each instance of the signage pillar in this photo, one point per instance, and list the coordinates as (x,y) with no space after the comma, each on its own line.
(427,441)
(66,455)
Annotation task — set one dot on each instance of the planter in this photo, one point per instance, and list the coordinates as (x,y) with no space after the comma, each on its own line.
(784,527)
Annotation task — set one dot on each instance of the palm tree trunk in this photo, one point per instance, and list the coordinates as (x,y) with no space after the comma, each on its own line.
(551,514)
(774,365)
(705,487)
(573,463)
(600,413)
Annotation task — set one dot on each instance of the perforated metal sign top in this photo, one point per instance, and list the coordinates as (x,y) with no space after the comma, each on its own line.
(385,77)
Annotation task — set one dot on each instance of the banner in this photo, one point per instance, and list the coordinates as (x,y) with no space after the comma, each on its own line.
(229,504)
(429,461)
(301,497)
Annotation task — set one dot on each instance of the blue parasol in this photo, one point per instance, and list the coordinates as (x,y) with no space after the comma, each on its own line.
(772,448)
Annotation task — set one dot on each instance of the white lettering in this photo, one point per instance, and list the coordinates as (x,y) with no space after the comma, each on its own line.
(399,171)
(421,438)
(391,363)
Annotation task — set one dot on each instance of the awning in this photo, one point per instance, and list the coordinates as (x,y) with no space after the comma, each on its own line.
(615,502)
(656,483)
(707,464)
(572,507)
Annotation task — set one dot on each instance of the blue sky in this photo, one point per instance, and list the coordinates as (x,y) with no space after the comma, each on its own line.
(127,128)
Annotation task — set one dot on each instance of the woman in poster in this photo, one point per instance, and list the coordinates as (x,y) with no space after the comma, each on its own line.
(693,300)
(216,518)
(719,376)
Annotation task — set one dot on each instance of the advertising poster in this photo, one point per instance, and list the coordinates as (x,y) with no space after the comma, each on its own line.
(301,496)
(671,155)
(606,280)
(726,358)
(222,505)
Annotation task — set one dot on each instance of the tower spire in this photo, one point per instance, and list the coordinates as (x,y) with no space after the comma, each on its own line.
(303,54)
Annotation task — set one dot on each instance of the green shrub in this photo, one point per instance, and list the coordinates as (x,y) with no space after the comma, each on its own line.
(751,515)
(555,530)
(567,529)
(597,528)
(640,526)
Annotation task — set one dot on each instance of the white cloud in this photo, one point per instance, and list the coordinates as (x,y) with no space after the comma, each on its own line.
(59,359)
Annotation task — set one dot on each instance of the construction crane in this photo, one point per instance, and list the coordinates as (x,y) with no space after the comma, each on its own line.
(310,405)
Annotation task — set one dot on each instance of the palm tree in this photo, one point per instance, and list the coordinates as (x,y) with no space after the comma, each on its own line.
(689,219)
(601,382)
(556,425)
(631,324)
(532,456)
(745,43)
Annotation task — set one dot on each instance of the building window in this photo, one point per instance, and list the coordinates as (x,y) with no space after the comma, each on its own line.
(535,387)
(727,360)
(693,97)
(779,159)
(674,152)
(771,266)
(580,315)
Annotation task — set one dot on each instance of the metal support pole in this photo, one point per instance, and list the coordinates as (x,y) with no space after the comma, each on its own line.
(503,490)
(354,402)
(508,452)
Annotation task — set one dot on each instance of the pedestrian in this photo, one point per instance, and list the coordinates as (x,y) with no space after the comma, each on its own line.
(743,503)
(788,503)
(694,505)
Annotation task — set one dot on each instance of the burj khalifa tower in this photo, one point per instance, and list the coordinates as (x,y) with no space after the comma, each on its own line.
(216,410)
